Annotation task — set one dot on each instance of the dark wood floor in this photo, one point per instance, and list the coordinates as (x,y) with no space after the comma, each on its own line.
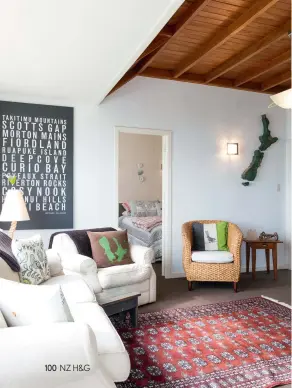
(173,293)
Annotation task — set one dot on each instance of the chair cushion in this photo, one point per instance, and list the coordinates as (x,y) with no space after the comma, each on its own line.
(123,275)
(212,257)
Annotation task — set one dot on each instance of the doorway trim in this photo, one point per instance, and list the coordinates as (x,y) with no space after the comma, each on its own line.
(166,188)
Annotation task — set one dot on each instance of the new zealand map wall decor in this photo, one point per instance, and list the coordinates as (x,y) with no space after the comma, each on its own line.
(266,140)
(36,143)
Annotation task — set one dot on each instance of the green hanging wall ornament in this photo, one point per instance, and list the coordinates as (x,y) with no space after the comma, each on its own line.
(250,173)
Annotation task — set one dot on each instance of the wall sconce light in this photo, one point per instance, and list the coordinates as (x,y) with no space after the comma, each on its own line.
(232,148)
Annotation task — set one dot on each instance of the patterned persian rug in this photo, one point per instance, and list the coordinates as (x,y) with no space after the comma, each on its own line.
(243,344)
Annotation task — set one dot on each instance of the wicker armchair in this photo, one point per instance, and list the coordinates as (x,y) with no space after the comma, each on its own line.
(227,272)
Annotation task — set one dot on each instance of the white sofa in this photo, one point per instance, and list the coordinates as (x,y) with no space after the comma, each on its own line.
(116,280)
(91,339)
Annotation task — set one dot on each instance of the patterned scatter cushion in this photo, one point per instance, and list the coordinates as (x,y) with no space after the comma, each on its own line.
(26,304)
(32,258)
(145,208)
(210,237)
(110,248)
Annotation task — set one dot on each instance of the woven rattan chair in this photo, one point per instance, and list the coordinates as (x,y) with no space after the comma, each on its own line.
(227,272)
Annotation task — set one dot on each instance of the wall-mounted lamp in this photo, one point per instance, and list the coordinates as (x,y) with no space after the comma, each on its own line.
(232,148)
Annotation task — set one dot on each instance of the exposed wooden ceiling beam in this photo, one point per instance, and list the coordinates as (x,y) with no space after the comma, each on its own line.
(125,79)
(157,43)
(280,60)
(200,79)
(258,7)
(167,31)
(249,52)
(277,80)
(187,17)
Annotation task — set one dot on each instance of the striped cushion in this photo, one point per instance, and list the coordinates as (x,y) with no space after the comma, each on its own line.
(210,237)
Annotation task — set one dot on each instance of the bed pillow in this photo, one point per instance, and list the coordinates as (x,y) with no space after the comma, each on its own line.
(25,304)
(110,248)
(145,208)
(210,237)
(32,258)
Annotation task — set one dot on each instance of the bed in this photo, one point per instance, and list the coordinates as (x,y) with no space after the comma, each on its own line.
(138,236)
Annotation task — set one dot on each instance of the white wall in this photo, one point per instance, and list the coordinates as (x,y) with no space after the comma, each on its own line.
(135,149)
(206,183)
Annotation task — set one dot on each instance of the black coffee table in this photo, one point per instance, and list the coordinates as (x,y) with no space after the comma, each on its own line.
(121,304)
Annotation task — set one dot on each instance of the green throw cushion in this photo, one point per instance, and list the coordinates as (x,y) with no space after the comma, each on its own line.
(222,235)
(110,248)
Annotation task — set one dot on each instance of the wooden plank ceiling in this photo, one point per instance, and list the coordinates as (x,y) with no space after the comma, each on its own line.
(239,44)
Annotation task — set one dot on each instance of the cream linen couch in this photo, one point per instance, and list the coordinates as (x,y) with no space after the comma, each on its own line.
(116,280)
(91,339)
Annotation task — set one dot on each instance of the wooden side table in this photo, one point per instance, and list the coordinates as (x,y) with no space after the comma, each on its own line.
(253,245)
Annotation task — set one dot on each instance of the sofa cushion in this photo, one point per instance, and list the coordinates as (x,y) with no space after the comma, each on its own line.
(32,258)
(26,304)
(212,257)
(74,288)
(119,276)
(110,248)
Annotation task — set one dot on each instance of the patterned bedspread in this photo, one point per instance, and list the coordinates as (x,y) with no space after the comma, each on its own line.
(142,237)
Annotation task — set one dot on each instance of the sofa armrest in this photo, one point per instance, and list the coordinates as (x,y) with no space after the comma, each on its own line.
(141,255)
(78,263)
(54,261)
(84,266)
(27,350)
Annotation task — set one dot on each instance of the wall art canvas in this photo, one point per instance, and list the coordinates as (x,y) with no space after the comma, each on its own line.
(36,143)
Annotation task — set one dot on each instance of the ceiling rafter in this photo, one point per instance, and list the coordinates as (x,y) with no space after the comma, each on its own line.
(187,17)
(162,57)
(280,60)
(249,52)
(168,32)
(246,18)
(277,80)
(200,79)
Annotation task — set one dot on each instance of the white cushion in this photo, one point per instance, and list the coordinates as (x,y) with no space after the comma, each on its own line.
(212,257)
(32,258)
(122,275)
(111,350)
(26,304)
(3,323)
(74,288)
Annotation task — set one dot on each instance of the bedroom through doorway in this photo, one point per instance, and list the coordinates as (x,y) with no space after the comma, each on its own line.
(143,190)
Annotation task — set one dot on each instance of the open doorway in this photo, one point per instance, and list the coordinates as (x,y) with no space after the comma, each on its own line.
(142,190)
